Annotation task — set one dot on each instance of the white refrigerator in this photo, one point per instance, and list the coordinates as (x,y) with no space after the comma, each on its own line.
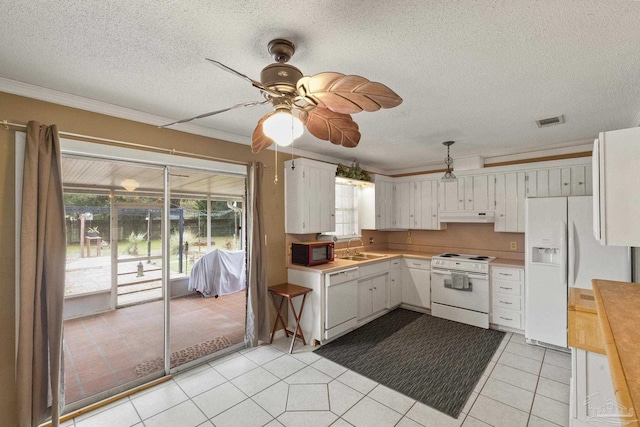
(561,252)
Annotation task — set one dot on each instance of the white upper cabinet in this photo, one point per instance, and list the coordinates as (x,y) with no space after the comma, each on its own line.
(616,178)
(416,204)
(405,204)
(510,195)
(581,180)
(309,196)
(451,195)
(556,182)
(479,193)
(426,209)
(468,193)
(385,198)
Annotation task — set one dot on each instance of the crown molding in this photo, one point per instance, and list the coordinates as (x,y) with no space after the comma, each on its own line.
(56,97)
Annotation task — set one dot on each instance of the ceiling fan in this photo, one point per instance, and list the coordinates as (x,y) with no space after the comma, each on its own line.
(323,102)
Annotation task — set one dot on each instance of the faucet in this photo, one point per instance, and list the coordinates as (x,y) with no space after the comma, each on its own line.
(349,245)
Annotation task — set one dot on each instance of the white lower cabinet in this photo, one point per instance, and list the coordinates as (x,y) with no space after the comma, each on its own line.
(507,301)
(372,296)
(416,282)
(592,399)
(394,284)
(372,289)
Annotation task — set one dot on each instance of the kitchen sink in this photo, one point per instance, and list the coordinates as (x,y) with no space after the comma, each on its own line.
(371,256)
(362,257)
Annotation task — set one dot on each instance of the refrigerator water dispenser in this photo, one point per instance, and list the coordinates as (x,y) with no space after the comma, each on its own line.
(545,255)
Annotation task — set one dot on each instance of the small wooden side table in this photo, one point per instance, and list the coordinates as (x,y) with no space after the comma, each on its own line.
(288,291)
(98,241)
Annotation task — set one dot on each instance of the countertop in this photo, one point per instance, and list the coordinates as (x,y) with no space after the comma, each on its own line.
(341,264)
(584,326)
(617,304)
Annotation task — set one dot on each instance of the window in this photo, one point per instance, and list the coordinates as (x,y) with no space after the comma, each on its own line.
(346,211)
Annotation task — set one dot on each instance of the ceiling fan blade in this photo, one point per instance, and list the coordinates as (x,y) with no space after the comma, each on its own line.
(255,83)
(212,113)
(260,141)
(347,94)
(325,124)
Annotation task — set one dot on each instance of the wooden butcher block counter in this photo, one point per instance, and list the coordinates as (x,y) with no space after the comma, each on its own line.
(618,305)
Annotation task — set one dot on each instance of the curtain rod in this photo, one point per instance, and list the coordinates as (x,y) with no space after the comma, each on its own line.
(173,151)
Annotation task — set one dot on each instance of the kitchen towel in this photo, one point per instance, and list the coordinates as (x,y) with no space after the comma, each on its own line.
(460,281)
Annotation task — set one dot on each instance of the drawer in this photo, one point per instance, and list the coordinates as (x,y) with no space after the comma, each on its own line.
(374,268)
(395,263)
(510,274)
(504,287)
(423,264)
(509,318)
(508,301)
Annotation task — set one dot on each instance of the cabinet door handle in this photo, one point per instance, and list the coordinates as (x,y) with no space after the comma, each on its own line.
(508,289)
(505,318)
(506,302)
(506,274)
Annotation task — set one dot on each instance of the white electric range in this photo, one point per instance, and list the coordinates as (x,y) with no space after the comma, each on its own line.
(460,288)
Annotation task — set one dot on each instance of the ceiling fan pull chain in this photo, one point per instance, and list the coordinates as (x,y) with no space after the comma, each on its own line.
(275,181)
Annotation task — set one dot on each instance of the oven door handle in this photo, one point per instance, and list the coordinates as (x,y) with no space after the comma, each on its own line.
(471,276)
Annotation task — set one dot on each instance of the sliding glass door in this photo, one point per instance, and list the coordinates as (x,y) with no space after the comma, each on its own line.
(125,309)
(206,321)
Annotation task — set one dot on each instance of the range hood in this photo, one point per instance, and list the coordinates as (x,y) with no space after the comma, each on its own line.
(468,216)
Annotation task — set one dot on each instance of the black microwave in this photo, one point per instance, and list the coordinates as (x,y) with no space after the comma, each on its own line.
(311,253)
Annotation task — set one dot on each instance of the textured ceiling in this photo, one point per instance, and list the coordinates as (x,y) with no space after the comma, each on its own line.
(477,72)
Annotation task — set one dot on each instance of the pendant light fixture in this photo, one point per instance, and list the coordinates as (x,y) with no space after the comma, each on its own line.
(448,174)
(129,184)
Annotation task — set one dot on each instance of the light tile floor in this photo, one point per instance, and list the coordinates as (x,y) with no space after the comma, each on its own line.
(522,386)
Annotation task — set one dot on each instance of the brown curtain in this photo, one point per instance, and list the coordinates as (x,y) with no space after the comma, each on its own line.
(257,298)
(42,263)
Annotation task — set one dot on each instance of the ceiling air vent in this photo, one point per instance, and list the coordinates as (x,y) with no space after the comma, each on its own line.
(543,123)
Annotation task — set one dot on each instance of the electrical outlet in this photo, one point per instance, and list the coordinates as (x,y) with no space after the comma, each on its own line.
(513,246)
(409,237)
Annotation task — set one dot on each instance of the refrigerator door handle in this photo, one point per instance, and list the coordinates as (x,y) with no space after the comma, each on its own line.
(563,255)
(571,277)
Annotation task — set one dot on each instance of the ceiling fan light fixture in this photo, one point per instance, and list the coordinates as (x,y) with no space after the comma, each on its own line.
(448,174)
(129,184)
(283,127)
